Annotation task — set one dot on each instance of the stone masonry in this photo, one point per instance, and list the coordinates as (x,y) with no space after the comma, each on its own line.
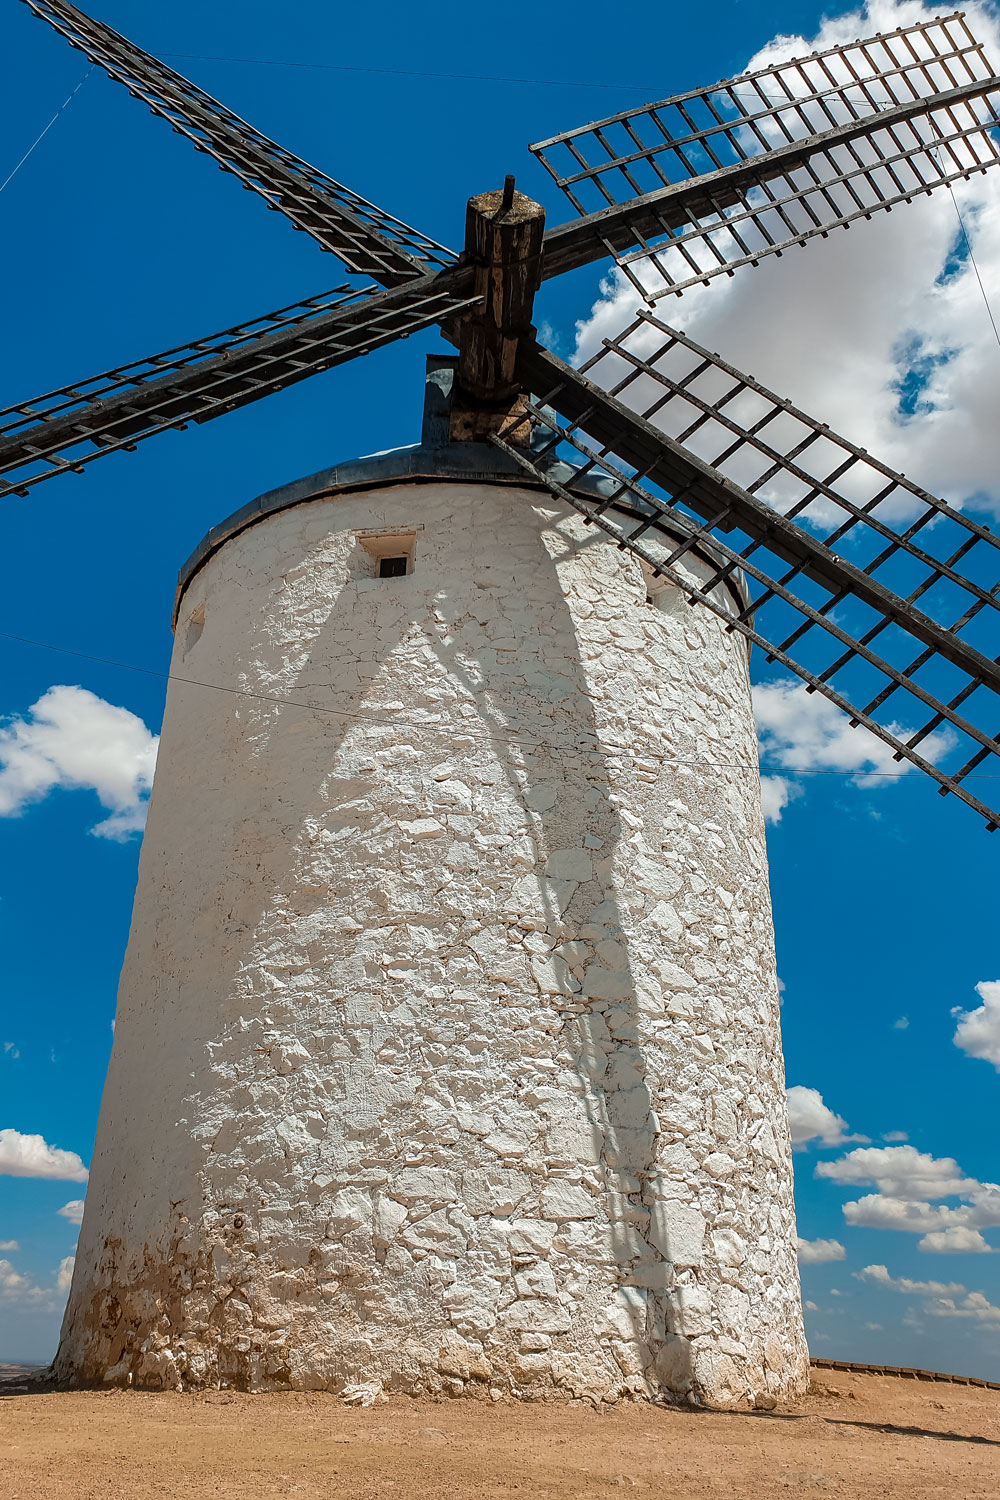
(448,1049)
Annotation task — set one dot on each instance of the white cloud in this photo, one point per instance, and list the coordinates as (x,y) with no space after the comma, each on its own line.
(73,1211)
(907,1180)
(903,1024)
(775,794)
(956,1239)
(944,1230)
(71,738)
(899,1171)
(18,1288)
(31,1156)
(878,1211)
(802,731)
(11,1051)
(895,1135)
(975,1305)
(817,1252)
(810,1119)
(9,1245)
(872,305)
(978,1031)
(943,1299)
(811,1306)
(805,731)
(880,1276)
(883,334)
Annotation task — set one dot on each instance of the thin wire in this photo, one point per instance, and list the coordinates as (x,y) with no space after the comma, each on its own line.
(346,713)
(975,267)
(67,101)
(547,83)
(277,62)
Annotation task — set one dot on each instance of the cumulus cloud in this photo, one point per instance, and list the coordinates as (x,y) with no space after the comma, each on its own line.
(805,731)
(18,1288)
(878,1211)
(816,1252)
(945,1230)
(73,1211)
(775,794)
(956,1239)
(978,1031)
(908,352)
(908,1180)
(802,731)
(974,1305)
(31,1156)
(943,1299)
(880,1276)
(9,1245)
(899,1171)
(883,334)
(810,1119)
(72,739)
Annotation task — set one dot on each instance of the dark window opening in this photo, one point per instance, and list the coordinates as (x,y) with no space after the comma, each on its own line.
(392,567)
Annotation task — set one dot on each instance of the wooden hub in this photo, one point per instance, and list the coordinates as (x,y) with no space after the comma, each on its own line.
(503,241)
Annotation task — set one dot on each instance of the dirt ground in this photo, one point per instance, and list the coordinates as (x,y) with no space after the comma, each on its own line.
(862,1435)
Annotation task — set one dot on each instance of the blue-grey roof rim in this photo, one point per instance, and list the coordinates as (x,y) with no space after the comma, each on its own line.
(477,463)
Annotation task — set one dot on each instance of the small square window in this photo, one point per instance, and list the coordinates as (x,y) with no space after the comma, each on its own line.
(383,554)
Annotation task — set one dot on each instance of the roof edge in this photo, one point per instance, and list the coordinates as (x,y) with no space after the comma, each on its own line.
(435,457)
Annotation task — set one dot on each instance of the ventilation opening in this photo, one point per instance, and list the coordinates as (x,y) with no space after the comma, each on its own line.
(195,626)
(659,590)
(383,554)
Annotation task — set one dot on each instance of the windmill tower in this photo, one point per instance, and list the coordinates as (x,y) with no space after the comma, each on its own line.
(448,1055)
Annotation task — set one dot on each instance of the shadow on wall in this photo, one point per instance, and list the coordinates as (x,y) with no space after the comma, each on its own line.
(494,655)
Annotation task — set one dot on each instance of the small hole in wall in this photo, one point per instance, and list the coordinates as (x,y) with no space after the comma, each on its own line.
(386,554)
(661,593)
(195,626)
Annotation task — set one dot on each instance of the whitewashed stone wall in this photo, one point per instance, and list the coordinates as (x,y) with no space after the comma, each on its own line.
(448,1050)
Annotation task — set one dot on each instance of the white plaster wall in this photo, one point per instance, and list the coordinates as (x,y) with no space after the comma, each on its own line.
(448,1049)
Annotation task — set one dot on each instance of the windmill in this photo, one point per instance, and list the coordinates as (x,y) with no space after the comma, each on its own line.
(448,1053)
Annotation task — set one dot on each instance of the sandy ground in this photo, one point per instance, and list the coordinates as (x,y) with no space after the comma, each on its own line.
(861,1435)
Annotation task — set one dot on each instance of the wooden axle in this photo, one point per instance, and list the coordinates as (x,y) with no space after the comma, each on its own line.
(503,242)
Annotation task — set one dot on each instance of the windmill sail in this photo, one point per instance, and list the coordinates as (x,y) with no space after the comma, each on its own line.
(875,593)
(75,424)
(369,241)
(704,182)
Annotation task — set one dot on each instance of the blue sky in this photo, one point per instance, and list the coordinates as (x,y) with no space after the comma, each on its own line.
(119,240)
